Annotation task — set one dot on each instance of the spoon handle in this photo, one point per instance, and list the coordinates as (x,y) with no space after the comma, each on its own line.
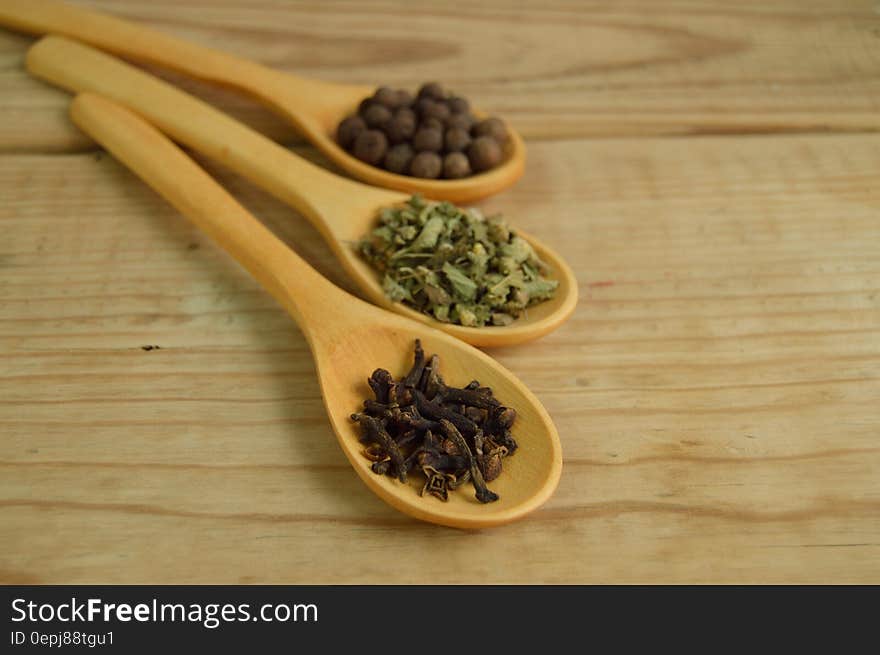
(144,44)
(307,296)
(319,195)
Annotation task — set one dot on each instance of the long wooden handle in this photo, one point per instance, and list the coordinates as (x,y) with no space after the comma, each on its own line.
(305,294)
(308,188)
(147,45)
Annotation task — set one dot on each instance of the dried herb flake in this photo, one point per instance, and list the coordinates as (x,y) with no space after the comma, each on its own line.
(454,264)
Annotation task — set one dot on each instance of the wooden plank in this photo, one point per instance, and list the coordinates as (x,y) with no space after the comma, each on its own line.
(715,391)
(555,69)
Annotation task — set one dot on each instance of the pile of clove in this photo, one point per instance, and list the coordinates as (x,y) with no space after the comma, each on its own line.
(452,435)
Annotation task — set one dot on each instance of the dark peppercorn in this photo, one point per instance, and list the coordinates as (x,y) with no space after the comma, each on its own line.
(404,98)
(456,165)
(456,139)
(402,125)
(428,138)
(406,112)
(458,105)
(370,146)
(465,121)
(349,129)
(484,153)
(386,96)
(438,110)
(432,123)
(426,164)
(398,158)
(423,105)
(493,127)
(432,90)
(376,115)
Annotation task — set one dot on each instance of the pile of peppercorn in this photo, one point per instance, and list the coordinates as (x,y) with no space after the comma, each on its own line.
(431,135)
(452,435)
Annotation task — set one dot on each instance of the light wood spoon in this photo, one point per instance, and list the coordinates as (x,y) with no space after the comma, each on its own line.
(315,107)
(343,210)
(348,337)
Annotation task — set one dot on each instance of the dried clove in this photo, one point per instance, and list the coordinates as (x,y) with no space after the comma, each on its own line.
(412,378)
(450,435)
(483,493)
(377,433)
(380,382)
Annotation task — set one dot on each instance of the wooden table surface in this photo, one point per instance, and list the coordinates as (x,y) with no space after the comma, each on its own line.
(710,169)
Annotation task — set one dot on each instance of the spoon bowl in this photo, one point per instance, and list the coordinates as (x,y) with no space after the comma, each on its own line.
(348,337)
(315,107)
(343,210)
(530,474)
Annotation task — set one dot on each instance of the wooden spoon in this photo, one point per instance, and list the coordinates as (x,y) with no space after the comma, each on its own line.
(348,337)
(341,209)
(315,107)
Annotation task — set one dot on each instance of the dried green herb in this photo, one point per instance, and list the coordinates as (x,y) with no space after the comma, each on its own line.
(452,435)
(455,264)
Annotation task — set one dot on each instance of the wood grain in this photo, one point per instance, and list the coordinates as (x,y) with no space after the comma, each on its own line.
(715,391)
(556,69)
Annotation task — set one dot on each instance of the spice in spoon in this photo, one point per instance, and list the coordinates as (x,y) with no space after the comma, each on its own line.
(450,435)
(430,135)
(455,264)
